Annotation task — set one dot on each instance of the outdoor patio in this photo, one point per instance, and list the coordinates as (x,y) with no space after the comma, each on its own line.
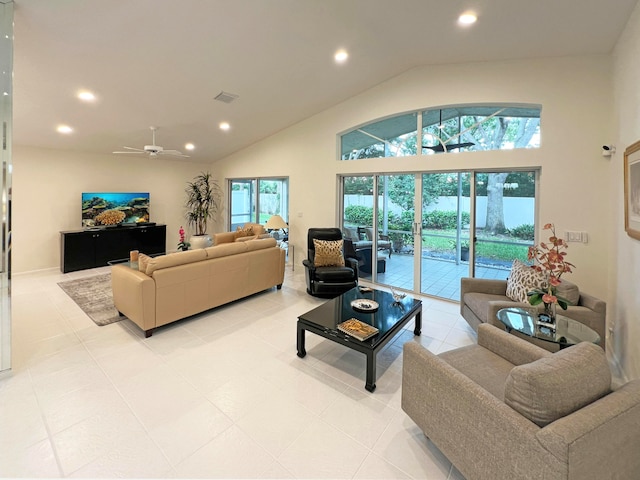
(440,277)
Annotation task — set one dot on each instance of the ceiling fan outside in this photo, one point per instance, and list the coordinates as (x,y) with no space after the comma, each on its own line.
(153,150)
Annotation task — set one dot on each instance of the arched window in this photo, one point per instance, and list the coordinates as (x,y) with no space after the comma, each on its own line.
(445,130)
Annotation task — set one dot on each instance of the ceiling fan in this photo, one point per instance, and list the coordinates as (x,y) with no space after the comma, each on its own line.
(153,150)
(440,147)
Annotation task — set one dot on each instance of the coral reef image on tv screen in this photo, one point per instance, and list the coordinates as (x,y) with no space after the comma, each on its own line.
(104,209)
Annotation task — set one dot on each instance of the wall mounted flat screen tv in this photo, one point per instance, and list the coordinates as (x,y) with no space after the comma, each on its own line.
(114,208)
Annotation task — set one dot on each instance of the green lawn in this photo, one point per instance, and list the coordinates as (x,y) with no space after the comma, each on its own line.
(486,247)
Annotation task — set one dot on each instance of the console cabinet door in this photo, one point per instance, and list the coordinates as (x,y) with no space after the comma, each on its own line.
(113,244)
(78,251)
(152,240)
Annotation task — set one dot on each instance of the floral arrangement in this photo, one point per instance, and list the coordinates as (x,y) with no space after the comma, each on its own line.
(550,259)
(182,244)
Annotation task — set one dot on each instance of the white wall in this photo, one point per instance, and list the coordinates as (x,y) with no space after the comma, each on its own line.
(575,94)
(47,188)
(624,303)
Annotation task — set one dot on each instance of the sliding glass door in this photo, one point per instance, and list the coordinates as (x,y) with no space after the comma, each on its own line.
(257,199)
(504,220)
(432,229)
(446,234)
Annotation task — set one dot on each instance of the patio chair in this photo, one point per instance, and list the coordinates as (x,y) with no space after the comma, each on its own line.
(383,240)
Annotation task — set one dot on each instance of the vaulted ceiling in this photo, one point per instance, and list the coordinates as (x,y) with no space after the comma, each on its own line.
(162,62)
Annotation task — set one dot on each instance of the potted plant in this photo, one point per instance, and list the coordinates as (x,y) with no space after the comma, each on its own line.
(464,249)
(203,200)
(550,260)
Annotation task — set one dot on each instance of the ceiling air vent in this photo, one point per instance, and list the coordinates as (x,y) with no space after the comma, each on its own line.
(226,97)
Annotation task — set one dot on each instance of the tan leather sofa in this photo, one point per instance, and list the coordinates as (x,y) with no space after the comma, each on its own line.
(181,284)
(507,409)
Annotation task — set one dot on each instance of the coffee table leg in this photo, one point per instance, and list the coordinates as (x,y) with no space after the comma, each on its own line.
(371,372)
(301,351)
(418,323)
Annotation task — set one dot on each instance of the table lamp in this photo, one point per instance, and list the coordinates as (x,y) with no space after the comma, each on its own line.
(276,223)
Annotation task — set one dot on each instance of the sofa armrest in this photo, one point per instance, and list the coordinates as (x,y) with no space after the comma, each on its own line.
(593,303)
(482,285)
(134,295)
(224,237)
(352,263)
(469,425)
(599,440)
(513,349)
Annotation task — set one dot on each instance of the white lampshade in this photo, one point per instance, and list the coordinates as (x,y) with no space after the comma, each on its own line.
(276,223)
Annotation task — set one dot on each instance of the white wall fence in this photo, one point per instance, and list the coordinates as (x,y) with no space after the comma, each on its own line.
(517,210)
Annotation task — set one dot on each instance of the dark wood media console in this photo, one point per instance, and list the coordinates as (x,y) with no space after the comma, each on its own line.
(81,249)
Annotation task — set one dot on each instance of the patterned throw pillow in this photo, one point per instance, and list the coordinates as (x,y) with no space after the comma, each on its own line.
(328,253)
(245,231)
(522,280)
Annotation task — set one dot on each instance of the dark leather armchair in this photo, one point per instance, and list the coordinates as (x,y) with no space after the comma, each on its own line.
(324,281)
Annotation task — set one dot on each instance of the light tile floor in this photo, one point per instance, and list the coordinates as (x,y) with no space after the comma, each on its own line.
(219,395)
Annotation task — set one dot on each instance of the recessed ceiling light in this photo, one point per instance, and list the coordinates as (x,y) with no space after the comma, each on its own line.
(64,129)
(224,126)
(86,96)
(467,18)
(190,146)
(341,56)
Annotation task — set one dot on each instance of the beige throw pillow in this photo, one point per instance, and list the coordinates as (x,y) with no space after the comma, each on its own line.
(559,384)
(328,253)
(522,279)
(143,262)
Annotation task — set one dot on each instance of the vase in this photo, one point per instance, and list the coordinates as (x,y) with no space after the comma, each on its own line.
(200,241)
(550,312)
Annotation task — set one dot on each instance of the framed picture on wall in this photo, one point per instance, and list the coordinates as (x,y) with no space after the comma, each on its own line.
(632,190)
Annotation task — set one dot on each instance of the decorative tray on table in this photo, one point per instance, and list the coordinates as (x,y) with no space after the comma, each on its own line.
(365,305)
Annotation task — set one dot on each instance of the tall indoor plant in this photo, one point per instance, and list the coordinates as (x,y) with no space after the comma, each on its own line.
(203,201)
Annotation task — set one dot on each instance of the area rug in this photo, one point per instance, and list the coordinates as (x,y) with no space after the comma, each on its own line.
(93,296)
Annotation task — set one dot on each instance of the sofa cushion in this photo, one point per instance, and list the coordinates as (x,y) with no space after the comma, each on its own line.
(143,262)
(253,237)
(481,365)
(478,303)
(225,249)
(335,274)
(328,253)
(246,238)
(174,259)
(351,233)
(568,291)
(260,243)
(522,279)
(557,385)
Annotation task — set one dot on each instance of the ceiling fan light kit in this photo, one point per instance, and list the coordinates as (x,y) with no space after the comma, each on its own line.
(153,150)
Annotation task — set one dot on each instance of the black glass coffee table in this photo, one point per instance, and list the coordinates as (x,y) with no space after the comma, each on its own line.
(389,318)
(565,332)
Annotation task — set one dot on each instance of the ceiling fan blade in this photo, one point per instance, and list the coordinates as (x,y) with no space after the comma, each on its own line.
(132,148)
(130,153)
(175,153)
(440,147)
